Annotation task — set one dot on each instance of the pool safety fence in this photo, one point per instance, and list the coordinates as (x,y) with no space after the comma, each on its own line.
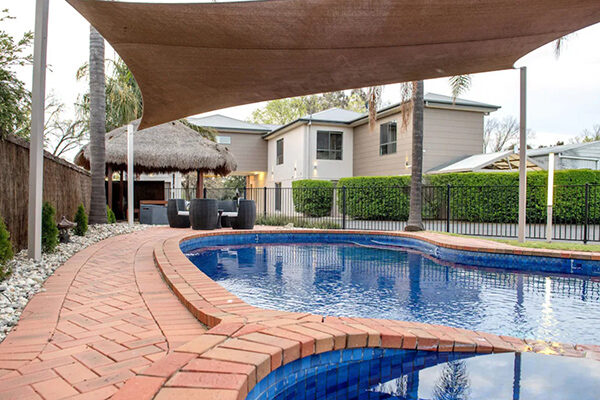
(470,210)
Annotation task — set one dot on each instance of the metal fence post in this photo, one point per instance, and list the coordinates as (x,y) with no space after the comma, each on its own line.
(204,193)
(343,207)
(265,201)
(587,213)
(448,208)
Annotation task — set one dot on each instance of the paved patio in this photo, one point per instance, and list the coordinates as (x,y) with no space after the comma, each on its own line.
(128,317)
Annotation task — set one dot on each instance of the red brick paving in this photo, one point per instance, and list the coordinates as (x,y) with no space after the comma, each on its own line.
(108,324)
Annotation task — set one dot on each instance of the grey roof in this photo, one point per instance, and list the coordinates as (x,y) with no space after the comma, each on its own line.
(558,149)
(334,115)
(441,99)
(218,121)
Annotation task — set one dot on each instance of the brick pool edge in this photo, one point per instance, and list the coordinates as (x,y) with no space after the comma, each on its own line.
(246,343)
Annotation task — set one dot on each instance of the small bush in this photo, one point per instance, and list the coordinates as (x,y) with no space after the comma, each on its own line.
(49,229)
(375,197)
(6,250)
(81,219)
(110,215)
(298,223)
(313,198)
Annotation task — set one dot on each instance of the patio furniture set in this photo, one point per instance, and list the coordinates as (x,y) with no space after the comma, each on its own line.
(209,214)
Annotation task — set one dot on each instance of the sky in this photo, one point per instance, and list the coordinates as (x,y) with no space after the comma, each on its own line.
(563,93)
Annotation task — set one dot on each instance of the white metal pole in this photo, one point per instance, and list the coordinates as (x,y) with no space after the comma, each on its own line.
(130,174)
(36,145)
(523,157)
(550,196)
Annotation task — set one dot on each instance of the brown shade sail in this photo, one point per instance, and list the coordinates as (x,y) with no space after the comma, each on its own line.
(193,58)
(170,147)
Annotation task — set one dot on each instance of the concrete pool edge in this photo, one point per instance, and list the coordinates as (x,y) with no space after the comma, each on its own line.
(246,343)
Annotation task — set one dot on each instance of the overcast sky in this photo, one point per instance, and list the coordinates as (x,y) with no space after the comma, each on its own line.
(564,93)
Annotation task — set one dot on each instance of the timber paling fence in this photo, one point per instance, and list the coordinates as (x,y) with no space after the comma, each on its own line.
(469,210)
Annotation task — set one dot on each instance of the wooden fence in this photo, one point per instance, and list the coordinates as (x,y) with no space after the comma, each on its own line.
(65,187)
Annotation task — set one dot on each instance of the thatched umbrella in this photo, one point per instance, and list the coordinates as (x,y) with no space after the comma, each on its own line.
(166,148)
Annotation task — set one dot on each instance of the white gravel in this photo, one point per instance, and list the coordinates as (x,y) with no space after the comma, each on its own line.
(28,276)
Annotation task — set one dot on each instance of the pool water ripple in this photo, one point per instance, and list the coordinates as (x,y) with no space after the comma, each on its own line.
(350,280)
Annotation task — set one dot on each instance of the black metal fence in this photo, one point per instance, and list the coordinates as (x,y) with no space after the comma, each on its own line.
(469,210)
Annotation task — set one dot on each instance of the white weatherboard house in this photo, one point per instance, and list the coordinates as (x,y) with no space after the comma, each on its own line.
(338,143)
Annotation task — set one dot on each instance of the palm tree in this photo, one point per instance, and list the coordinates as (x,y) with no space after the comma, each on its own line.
(415,219)
(97,128)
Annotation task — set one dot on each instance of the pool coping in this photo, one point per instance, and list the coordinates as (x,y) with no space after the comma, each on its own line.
(246,343)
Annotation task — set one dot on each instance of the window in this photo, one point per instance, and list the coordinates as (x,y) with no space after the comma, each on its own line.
(278,196)
(280,152)
(387,138)
(224,139)
(329,145)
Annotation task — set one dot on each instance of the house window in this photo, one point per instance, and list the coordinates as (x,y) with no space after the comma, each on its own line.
(387,138)
(329,145)
(277,196)
(280,152)
(224,139)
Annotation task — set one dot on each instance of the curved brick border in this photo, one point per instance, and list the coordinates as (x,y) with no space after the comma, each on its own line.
(246,343)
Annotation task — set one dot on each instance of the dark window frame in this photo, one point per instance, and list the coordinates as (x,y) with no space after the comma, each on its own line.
(278,155)
(331,153)
(388,139)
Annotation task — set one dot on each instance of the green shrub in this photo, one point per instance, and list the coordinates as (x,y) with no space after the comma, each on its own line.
(298,223)
(494,197)
(6,250)
(49,229)
(81,219)
(110,215)
(375,197)
(313,198)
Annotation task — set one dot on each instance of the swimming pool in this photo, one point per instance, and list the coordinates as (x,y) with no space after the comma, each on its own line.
(351,277)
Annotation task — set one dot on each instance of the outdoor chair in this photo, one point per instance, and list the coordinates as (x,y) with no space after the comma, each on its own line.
(177,215)
(227,209)
(246,215)
(204,214)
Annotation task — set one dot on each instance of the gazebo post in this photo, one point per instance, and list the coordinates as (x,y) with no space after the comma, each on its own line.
(121,173)
(109,192)
(200,185)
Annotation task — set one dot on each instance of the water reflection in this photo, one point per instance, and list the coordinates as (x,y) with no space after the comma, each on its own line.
(416,375)
(348,280)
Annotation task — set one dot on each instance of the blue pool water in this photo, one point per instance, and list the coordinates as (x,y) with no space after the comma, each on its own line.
(343,279)
(375,374)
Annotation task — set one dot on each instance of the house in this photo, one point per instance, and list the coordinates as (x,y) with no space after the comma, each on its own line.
(569,156)
(337,143)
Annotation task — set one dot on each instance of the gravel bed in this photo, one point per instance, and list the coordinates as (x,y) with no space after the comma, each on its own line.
(28,276)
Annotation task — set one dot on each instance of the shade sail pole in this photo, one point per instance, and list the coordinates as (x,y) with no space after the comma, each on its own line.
(550,198)
(36,145)
(130,176)
(523,156)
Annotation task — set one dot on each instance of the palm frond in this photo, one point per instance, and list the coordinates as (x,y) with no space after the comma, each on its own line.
(559,45)
(374,99)
(459,84)
(406,104)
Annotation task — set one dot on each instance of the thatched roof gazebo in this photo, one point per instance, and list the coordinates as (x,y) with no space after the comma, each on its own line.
(166,148)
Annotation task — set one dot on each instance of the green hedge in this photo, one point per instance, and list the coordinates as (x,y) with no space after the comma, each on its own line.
(375,197)
(475,197)
(494,197)
(313,198)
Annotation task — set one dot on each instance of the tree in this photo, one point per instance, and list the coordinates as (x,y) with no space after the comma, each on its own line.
(453,383)
(122,95)
(283,111)
(62,135)
(589,135)
(15,99)
(500,134)
(97,124)
(415,218)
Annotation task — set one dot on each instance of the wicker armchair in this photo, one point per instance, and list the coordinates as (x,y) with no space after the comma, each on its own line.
(177,215)
(246,215)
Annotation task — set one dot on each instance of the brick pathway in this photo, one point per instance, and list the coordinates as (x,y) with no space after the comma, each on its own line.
(108,325)
(105,315)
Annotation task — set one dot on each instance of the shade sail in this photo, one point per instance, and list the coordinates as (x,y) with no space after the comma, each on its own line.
(194,58)
(170,147)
